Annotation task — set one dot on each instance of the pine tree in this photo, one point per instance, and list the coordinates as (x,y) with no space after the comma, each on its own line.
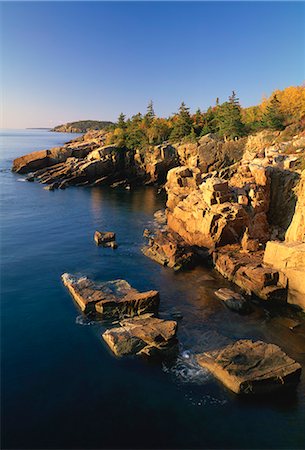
(150,110)
(183,123)
(273,118)
(229,119)
(121,121)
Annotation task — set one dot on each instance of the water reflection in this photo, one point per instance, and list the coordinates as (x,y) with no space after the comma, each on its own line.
(145,200)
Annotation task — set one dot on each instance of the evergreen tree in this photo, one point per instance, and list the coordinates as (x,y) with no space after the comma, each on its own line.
(209,122)
(198,122)
(229,118)
(182,125)
(273,118)
(150,114)
(121,121)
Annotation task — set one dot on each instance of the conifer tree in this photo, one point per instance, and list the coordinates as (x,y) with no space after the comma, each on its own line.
(150,110)
(183,124)
(229,119)
(121,121)
(273,118)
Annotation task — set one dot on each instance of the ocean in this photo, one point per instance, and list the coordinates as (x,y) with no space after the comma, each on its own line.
(61,386)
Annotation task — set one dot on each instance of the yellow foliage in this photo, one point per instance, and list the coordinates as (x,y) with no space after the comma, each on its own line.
(292,102)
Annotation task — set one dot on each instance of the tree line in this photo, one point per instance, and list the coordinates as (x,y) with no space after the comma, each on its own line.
(228,120)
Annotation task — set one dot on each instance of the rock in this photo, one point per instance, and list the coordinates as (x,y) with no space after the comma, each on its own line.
(169,250)
(290,162)
(289,258)
(143,335)
(160,217)
(248,244)
(104,238)
(233,300)
(296,230)
(110,299)
(147,233)
(30,178)
(32,161)
(207,226)
(250,274)
(282,197)
(248,367)
(50,187)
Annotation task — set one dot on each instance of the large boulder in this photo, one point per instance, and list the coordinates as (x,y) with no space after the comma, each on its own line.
(168,249)
(144,335)
(206,225)
(233,300)
(250,274)
(289,258)
(248,367)
(110,299)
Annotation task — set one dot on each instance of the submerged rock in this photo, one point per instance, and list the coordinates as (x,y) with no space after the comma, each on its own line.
(248,367)
(110,299)
(233,300)
(143,335)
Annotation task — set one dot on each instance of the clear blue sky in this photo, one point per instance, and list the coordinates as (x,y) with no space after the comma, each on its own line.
(65,61)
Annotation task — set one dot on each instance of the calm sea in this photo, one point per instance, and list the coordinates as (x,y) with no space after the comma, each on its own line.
(61,387)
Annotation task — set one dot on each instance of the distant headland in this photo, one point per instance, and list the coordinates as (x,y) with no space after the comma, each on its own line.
(82,126)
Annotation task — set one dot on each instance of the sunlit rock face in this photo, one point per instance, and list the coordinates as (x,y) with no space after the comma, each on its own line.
(244,206)
(289,256)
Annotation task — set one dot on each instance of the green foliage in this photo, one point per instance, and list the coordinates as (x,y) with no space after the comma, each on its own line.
(273,118)
(81,126)
(121,121)
(150,114)
(182,123)
(209,121)
(228,119)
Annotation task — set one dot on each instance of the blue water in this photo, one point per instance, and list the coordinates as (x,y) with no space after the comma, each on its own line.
(61,387)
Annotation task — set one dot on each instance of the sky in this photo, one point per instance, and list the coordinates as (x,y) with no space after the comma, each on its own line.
(67,61)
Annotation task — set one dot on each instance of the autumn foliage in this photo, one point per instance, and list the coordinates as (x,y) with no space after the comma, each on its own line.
(284,108)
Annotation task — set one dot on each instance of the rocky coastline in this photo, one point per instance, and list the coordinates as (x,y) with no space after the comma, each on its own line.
(239,206)
(241,203)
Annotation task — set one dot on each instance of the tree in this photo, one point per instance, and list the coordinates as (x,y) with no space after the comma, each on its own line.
(229,119)
(150,113)
(121,121)
(182,124)
(209,122)
(158,132)
(272,117)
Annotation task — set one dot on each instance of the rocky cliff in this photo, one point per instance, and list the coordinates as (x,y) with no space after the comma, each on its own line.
(88,160)
(235,212)
(236,200)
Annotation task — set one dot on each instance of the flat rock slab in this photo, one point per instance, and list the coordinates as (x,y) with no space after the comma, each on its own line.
(233,300)
(248,367)
(145,335)
(110,299)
